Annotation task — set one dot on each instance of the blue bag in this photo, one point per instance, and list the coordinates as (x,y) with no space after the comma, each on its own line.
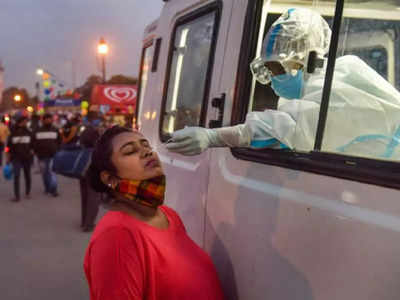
(72,161)
(8,171)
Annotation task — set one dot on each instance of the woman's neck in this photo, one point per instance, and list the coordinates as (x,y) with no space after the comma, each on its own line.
(129,206)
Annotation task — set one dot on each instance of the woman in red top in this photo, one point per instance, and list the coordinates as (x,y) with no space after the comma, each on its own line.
(140,249)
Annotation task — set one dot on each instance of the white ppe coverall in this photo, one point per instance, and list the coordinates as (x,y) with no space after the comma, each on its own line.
(363,116)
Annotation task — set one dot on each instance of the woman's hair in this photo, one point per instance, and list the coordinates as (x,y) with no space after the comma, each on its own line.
(101,160)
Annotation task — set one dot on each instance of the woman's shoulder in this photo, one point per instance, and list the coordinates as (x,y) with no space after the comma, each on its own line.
(169,211)
(173,216)
(113,224)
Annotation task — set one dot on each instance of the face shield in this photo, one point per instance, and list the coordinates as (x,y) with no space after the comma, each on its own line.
(289,42)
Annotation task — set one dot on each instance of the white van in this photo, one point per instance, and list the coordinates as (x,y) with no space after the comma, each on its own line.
(278,224)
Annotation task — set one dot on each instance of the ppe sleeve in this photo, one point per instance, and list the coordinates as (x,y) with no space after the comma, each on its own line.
(113,267)
(267,129)
(234,136)
(271,129)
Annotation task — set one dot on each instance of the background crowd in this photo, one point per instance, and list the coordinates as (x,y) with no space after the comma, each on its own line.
(28,141)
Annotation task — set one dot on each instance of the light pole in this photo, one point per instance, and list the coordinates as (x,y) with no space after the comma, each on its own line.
(102,50)
(37,87)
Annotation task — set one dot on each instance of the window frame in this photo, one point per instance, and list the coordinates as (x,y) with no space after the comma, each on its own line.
(366,170)
(156,56)
(216,7)
(146,45)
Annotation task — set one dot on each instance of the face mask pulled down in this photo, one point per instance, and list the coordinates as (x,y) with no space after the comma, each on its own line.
(148,192)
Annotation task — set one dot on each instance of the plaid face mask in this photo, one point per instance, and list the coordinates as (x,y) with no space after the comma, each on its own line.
(145,192)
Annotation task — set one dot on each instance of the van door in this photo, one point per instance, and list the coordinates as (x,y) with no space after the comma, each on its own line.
(192,78)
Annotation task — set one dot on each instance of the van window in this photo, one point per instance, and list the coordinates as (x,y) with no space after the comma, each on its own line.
(189,72)
(147,57)
(363,118)
(369,40)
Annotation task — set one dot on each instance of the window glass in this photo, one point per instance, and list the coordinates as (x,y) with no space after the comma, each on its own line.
(364,109)
(147,58)
(188,73)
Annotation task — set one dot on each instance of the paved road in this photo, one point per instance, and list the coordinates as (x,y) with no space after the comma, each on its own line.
(42,247)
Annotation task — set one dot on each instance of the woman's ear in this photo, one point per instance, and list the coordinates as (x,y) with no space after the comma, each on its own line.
(105,177)
(108,179)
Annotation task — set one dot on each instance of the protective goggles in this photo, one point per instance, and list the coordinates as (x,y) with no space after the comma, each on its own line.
(264,75)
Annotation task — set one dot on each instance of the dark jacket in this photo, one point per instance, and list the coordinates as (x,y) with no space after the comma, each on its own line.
(20,144)
(89,136)
(66,130)
(46,141)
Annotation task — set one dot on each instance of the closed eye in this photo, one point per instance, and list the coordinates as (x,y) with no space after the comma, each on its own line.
(133,147)
(130,151)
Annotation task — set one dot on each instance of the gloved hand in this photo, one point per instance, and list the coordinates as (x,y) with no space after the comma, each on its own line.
(192,140)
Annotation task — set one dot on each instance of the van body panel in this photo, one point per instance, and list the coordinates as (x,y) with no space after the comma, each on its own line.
(278,233)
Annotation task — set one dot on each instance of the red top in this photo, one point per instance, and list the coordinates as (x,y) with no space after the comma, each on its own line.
(129,259)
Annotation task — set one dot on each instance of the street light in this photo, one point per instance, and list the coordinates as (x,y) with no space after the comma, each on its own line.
(102,50)
(40,72)
(17,98)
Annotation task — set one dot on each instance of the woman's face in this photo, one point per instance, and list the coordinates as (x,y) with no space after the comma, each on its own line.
(134,158)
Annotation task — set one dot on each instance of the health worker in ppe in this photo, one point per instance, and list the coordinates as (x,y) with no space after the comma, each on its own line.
(364,112)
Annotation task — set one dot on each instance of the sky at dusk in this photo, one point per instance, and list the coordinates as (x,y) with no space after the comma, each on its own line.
(62,36)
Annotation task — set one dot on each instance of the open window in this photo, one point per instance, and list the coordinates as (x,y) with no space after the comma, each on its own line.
(365,93)
(367,35)
(189,70)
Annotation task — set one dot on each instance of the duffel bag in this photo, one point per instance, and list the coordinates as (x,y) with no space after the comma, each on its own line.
(72,162)
(8,171)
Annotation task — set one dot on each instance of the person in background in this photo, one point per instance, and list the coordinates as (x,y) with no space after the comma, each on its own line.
(62,121)
(4,133)
(90,199)
(103,125)
(140,248)
(34,124)
(46,141)
(20,154)
(71,130)
(79,123)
